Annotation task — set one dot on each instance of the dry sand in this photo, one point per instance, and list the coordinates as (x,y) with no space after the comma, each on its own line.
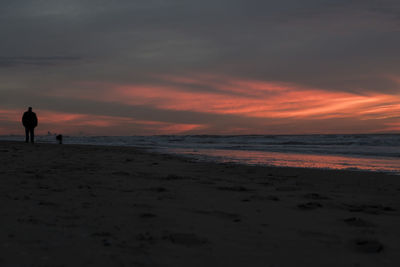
(70,205)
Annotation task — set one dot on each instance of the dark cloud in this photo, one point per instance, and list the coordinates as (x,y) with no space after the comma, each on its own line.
(265,39)
(36,61)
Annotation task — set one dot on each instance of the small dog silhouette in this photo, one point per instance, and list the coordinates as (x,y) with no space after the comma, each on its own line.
(59,138)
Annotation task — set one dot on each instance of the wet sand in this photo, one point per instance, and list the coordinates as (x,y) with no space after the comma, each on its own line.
(71,205)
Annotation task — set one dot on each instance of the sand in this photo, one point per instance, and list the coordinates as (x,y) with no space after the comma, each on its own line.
(71,205)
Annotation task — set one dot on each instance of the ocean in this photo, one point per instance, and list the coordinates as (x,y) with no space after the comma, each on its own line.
(364,152)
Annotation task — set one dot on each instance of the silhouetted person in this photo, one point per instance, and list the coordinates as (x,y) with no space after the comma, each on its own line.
(30,121)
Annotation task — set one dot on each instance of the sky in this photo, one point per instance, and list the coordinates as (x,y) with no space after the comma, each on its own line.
(149,67)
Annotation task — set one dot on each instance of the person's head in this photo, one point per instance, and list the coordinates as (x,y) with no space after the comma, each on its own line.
(30,108)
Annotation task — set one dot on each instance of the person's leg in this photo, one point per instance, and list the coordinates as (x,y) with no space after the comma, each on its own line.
(32,130)
(26,134)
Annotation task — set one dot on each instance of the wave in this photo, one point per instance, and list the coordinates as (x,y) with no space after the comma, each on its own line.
(378,145)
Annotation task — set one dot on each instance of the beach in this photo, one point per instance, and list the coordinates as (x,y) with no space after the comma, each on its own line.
(82,205)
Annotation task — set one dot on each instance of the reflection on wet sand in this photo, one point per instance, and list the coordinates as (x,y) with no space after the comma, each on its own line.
(295,159)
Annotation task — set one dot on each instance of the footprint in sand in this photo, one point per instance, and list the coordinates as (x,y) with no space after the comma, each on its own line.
(309,206)
(260,198)
(171,177)
(121,173)
(220,214)
(358,222)
(287,188)
(186,239)
(29,220)
(48,204)
(147,215)
(370,209)
(102,234)
(368,246)
(233,188)
(106,243)
(157,189)
(147,237)
(315,196)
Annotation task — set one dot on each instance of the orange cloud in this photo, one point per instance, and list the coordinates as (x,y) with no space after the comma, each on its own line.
(258,99)
(71,123)
(268,104)
(392,127)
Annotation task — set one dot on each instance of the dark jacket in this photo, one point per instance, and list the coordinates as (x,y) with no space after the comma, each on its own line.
(29,119)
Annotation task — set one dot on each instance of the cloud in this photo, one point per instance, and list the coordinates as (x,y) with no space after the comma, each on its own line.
(233,105)
(79,123)
(160,59)
(36,61)
(258,99)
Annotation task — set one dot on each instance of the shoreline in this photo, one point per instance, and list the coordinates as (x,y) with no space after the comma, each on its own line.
(122,206)
(205,160)
(205,156)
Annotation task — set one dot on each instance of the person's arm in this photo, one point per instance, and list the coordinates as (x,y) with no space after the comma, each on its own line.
(23,119)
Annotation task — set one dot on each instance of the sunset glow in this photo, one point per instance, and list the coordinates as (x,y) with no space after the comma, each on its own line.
(264,100)
(226,96)
(57,122)
(201,68)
